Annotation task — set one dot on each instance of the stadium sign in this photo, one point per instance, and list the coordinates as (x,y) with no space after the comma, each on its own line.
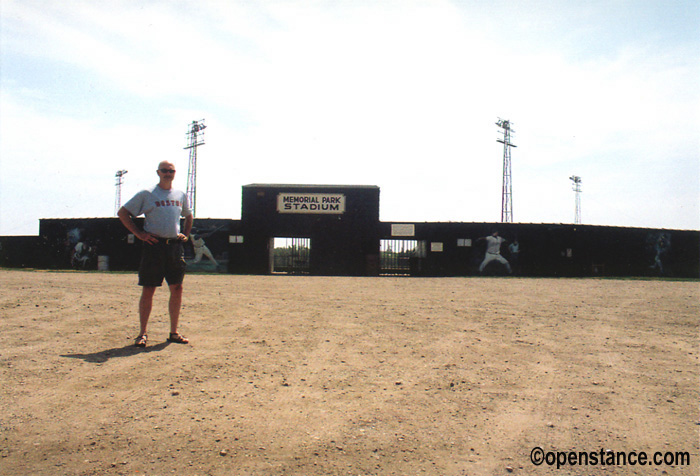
(321,203)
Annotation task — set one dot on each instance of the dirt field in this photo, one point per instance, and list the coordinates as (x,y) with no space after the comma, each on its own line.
(346,376)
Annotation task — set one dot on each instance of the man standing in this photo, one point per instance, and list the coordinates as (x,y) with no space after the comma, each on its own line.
(163,251)
(493,251)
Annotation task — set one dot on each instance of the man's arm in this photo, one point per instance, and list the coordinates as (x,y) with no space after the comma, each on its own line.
(127,220)
(189,220)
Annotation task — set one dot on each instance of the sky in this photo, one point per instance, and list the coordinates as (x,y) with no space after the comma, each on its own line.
(404,95)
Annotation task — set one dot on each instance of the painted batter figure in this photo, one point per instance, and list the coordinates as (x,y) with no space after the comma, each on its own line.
(163,251)
(493,252)
(201,249)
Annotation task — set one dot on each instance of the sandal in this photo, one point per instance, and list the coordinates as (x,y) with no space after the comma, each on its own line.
(141,340)
(178,338)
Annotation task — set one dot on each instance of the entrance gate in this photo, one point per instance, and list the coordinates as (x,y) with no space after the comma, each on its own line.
(397,257)
(291,255)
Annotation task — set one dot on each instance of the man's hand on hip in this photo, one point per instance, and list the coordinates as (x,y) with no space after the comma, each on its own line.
(147,237)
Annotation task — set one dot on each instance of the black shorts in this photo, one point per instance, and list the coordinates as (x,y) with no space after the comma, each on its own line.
(165,259)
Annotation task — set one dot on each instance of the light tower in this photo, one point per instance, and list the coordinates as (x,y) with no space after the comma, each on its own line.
(577,189)
(195,139)
(118,200)
(507,189)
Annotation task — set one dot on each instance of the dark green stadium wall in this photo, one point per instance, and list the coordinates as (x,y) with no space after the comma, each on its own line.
(348,242)
(557,250)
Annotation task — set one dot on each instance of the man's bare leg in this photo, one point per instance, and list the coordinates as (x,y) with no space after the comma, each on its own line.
(174,306)
(145,306)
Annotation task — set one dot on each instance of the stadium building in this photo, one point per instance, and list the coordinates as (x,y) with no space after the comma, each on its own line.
(335,230)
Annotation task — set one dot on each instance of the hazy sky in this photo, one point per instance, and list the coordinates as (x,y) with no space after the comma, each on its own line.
(399,94)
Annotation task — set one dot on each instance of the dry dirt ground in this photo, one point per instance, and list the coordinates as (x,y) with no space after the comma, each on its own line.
(346,376)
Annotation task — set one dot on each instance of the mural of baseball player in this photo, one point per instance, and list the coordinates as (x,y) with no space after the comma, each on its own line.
(81,251)
(660,246)
(493,251)
(514,250)
(200,249)
(81,255)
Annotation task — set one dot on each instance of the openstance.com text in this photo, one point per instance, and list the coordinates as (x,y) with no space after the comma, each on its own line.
(603,457)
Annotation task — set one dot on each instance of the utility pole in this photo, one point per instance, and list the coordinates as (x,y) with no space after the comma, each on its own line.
(118,200)
(577,190)
(195,139)
(507,188)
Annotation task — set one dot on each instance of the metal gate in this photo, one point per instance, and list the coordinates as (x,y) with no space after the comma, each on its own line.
(397,256)
(291,255)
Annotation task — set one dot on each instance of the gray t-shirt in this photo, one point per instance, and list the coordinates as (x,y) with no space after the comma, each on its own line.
(162,208)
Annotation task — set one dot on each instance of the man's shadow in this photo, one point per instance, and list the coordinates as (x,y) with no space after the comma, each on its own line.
(126,351)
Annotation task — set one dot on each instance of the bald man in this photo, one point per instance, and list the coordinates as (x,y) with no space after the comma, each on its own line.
(163,251)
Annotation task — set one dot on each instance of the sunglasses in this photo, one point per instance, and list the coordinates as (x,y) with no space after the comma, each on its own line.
(167,171)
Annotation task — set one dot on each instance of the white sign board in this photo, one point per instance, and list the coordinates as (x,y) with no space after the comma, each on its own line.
(321,203)
(403,230)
